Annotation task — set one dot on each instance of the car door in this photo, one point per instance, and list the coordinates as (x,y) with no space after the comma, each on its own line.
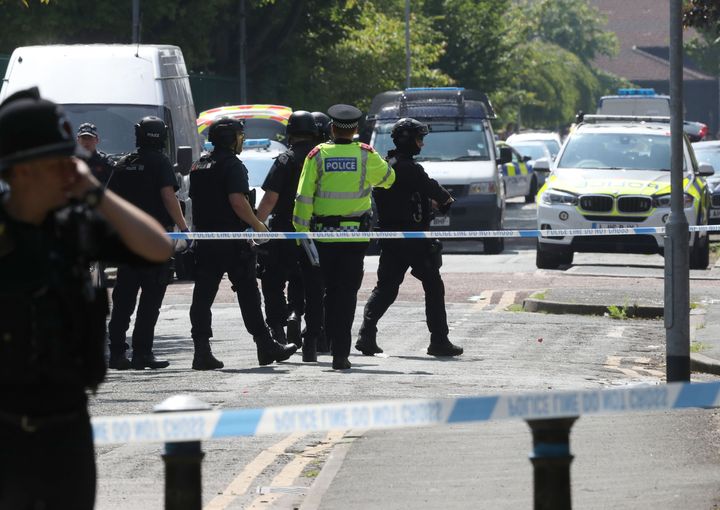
(516,176)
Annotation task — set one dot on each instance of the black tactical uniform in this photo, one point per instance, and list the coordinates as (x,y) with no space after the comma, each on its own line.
(406,206)
(52,326)
(285,261)
(212,180)
(138,178)
(99,163)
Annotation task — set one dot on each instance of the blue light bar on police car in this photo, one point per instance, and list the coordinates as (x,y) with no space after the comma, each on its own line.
(256,143)
(636,92)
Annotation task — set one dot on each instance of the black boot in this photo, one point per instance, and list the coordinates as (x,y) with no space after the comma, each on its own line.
(119,361)
(442,346)
(341,364)
(367,342)
(277,332)
(268,350)
(309,348)
(203,358)
(142,361)
(293,328)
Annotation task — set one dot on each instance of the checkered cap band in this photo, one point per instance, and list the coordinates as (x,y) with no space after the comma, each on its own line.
(345,125)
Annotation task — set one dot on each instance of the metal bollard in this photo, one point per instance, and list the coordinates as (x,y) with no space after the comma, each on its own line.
(551,463)
(183,471)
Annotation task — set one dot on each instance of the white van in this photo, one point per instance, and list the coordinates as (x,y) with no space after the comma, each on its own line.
(460,152)
(113,86)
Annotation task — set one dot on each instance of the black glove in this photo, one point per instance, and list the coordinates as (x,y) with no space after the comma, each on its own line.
(444,208)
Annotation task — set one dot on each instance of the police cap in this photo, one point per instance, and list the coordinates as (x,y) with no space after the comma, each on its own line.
(31,128)
(344,116)
(87,129)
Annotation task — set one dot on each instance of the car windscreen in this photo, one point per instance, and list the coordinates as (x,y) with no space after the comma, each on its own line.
(709,156)
(447,141)
(552,146)
(534,150)
(635,106)
(115,122)
(258,169)
(628,151)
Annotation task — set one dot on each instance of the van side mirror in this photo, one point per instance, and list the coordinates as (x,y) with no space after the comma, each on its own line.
(706,170)
(184,160)
(542,165)
(526,158)
(506,155)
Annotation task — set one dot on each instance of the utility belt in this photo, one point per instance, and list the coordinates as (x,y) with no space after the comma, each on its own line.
(30,424)
(333,223)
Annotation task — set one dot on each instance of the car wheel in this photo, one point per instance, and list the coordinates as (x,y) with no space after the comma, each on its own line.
(545,259)
(700,253)
(494,245)
(530,197)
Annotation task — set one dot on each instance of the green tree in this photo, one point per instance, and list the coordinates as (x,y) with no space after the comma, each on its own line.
(574,25)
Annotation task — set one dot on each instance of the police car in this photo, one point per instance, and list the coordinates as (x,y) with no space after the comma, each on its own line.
(518,175)
(614,171)
(709,153)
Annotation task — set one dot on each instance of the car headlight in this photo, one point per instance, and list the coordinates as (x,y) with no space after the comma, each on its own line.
(482,187)
(664,201)
(555,197)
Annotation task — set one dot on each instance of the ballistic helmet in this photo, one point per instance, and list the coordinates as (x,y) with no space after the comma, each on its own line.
(322,122)
(151,132)
(405,132)
(301,123)
(31,128)
(223,131)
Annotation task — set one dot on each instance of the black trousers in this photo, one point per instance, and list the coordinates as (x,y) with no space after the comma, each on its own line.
(341,264)
(286,262)
(396,256)
(214,258)
(52,468)
(152,280)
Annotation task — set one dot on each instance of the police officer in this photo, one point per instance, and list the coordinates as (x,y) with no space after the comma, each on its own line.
(53,320)
(100,164)
(407,206)
(334,196)
(219,190)
(296,295)
(146,179)
(285,259)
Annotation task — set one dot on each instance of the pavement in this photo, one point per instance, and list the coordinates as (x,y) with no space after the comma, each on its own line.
(637,302)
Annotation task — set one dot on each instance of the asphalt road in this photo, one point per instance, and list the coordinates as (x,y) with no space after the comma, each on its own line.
(665,460)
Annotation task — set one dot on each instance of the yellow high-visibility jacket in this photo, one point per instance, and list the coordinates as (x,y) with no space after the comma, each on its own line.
(337,180)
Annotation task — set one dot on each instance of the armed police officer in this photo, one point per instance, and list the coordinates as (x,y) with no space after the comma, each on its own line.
(55,220)
(100,164)
(407,206)
(334,196)
(285,259)
(296,294)
(219,190)
(145,178)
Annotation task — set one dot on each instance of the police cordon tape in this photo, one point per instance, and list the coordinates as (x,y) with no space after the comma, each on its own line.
(435,234)
(389,414)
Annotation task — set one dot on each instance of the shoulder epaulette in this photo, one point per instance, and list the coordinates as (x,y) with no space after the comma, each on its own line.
(314,151)
(366,147)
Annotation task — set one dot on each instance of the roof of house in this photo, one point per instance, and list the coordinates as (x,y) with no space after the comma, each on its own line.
(641,27)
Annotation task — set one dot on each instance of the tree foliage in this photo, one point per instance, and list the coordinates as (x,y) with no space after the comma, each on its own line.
(531,56)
